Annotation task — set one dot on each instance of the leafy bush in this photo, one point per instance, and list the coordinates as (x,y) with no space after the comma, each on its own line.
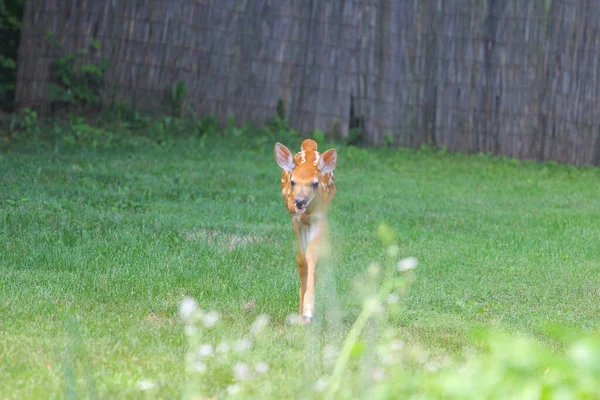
(26,119)
(11,14)
(77,83)
(178,93)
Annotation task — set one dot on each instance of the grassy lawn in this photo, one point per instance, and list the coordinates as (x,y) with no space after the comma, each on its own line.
(99,247)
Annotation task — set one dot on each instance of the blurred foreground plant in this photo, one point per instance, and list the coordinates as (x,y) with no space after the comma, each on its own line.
(375,361)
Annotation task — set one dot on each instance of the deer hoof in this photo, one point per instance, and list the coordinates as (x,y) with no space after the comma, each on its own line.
(307,320)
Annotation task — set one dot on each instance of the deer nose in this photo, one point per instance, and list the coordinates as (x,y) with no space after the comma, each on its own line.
(300,203)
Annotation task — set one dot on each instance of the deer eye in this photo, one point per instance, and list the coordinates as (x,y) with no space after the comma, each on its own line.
(315,185)
(293,183)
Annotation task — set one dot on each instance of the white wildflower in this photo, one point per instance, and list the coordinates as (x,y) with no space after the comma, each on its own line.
(261,367)
(378,374)
(330,352)
(200,367)
(205,350)
(373,305)
(294,319)
(145,385)
(240,371)
(242,345)
(581,353)
(187,308)
(210,319)
(232,390)
(190,330)
(393,298)
(321,385)
(397,344)
(393,251)
(407,264)
(222,347)
(374,270)
(259,324)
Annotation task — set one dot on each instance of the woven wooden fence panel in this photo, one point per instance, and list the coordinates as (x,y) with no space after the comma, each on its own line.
(510,77)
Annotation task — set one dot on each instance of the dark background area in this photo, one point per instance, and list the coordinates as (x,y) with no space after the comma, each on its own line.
(11,15)
(515,77)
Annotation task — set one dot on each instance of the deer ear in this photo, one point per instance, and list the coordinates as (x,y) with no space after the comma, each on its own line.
(328,161)
(284,157)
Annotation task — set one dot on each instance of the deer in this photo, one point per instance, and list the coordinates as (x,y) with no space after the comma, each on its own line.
(307,187)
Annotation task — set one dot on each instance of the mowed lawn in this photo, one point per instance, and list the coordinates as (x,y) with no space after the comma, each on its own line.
(99,247)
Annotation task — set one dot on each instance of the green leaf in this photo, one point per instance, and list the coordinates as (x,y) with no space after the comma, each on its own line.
(386,234)
(319,136)
(95,43)
(178,91)
(90,69)
(66,78)
(7,86)
(6,62)
(55,92)
(104,64)
(357,350)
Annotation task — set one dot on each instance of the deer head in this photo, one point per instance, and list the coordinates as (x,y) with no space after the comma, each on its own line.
(306,176)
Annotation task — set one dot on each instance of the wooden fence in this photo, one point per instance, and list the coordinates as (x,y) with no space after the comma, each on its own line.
(510,77)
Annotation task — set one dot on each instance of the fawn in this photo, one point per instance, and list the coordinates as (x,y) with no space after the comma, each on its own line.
(307,186)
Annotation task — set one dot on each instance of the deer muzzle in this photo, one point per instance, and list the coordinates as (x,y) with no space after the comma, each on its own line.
(300,205)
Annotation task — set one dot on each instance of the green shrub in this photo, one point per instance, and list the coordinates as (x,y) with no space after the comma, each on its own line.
(11,15)
(77,83)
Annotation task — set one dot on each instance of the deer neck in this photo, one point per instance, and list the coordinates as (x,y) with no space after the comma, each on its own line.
(309,226)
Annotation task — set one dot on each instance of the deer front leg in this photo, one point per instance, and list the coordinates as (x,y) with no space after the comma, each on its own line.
(311,258)
(309,237)
(301,261)
(302,273)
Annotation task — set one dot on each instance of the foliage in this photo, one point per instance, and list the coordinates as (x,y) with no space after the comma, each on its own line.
(11,15)
(281,109)
(510,366)
(388,140)
(118,127)
(178,93)
(319,136)
(77,82)
(355,136)
(25,119)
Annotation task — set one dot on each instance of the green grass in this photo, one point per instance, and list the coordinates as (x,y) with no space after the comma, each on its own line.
(98,247)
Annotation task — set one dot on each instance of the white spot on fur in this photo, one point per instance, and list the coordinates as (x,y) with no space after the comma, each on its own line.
(302,157)
(317,158)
